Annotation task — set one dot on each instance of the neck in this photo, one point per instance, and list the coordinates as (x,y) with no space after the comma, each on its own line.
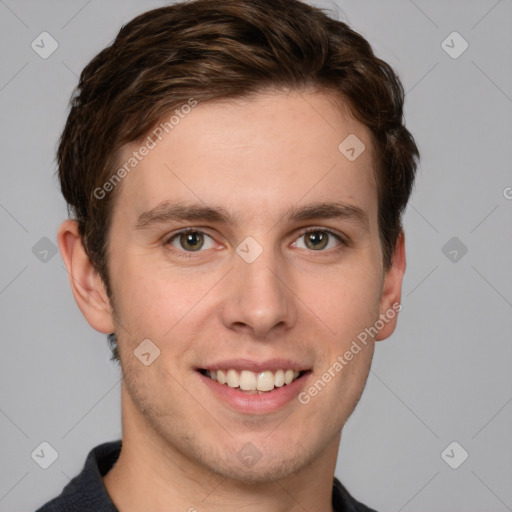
(152,474)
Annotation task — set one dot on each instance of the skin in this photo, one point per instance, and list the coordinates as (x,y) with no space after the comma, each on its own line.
(256,158)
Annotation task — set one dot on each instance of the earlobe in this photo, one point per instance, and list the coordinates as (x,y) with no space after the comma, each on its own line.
(86,284)
(392,290)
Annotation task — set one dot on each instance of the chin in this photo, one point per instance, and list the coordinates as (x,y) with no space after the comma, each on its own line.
(250,466)
(262,472)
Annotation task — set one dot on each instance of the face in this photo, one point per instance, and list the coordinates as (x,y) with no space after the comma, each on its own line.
(245,247)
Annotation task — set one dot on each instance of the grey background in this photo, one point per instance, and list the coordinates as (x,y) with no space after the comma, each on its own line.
(444,376)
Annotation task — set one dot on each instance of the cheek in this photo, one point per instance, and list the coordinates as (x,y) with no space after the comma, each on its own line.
(159,303)
(346,301)
(137,284)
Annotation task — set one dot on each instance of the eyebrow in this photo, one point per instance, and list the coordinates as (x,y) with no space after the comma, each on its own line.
(168,211)
(329,210)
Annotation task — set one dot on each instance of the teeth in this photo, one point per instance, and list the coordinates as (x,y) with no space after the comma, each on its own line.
(265,381)
(250,381)
(247,380)
(279,379)
(233,381)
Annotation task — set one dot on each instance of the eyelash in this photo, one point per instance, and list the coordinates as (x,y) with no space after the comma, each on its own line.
(191,254)
(332,234)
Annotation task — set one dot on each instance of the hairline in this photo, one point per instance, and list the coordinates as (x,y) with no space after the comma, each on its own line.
(337,98)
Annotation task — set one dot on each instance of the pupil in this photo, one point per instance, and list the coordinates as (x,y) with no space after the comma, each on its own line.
(317,240)
(192,241)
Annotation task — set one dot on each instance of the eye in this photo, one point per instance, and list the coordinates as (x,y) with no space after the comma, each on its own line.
(190,240)
(317,240)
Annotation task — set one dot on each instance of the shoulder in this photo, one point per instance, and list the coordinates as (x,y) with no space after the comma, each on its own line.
(86,491)
(343,501)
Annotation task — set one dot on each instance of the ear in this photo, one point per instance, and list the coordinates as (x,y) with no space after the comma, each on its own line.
(87,286)
(392,290)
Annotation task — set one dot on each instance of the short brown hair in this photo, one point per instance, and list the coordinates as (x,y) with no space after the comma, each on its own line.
(213,49)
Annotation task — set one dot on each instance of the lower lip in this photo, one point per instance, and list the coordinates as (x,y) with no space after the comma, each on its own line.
(256,403)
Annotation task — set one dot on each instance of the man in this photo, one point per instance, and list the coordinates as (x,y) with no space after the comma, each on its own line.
(236,173)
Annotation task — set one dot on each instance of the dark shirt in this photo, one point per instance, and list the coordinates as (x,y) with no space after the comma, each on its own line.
(87,492)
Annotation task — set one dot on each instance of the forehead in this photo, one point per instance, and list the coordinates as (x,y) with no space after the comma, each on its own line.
(263,154)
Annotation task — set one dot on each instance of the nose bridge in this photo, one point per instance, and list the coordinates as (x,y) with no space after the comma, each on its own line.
(258,299)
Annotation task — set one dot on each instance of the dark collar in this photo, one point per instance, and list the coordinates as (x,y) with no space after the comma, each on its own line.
(87,491)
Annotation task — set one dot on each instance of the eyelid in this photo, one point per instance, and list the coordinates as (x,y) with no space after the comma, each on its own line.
(314,229)
(310,229)
(190,229)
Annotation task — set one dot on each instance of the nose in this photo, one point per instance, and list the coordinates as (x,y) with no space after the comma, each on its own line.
(259,300)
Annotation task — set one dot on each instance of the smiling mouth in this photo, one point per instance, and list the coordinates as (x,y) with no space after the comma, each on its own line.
(250,382)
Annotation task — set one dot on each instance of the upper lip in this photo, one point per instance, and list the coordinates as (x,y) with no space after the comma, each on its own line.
(256,366)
